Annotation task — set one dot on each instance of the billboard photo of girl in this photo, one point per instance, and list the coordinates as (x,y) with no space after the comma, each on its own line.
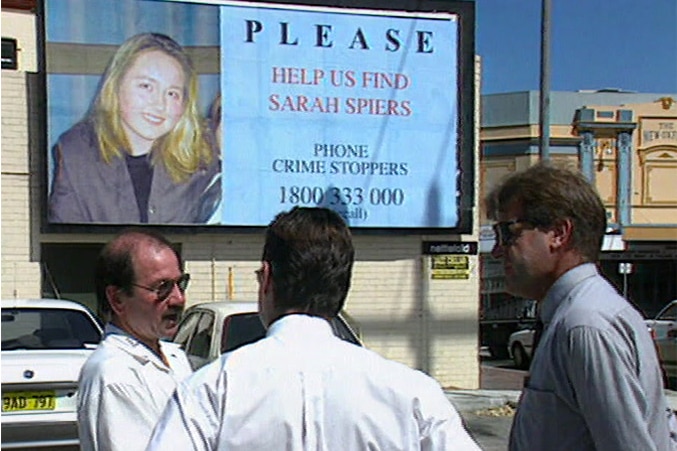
(143,153)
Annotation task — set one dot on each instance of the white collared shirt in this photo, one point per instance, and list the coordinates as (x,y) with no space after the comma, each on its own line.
(122,390)
(301,388)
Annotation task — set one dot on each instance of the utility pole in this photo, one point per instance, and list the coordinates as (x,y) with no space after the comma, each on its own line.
(544,118)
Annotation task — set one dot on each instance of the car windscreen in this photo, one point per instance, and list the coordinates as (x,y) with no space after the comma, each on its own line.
(35,328)
(668,314)
(245,328)
(241,329)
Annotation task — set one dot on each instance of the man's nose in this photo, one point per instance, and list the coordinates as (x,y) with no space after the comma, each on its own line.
(176,297)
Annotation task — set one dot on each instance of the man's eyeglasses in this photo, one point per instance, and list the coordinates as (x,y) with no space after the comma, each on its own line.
(164,288)
(505,236)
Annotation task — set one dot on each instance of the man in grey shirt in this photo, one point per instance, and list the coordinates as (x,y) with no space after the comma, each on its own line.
(595,381)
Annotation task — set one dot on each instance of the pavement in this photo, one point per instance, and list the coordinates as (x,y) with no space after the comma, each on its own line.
(488,414)
(475,400)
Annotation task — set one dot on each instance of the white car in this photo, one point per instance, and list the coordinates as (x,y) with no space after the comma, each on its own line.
(520,344)
(45,342)
(664,321)
(209,329)
(663,329)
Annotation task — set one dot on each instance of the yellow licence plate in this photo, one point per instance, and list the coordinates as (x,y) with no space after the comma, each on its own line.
(28,400)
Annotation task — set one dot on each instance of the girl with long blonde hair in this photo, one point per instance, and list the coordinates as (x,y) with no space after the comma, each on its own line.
(143,153)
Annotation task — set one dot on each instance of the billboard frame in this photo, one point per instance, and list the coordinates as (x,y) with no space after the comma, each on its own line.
(466,121)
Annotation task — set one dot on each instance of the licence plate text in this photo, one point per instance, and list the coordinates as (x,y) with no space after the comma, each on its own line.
(28,400)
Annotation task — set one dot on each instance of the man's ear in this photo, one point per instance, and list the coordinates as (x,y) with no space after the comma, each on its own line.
(113,297)
(562,234)
(267,277)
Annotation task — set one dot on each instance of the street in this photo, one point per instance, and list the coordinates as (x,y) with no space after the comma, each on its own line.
(500,375)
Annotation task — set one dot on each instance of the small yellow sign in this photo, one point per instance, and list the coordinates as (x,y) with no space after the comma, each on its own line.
(450,262)
(451,274)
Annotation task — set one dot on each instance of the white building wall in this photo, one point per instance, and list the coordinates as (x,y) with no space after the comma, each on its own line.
(20,271)
(21,26)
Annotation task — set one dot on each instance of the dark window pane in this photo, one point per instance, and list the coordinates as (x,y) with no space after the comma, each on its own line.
(342,331)
(241,329)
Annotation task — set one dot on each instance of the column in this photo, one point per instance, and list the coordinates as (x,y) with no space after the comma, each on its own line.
(623,148)
(587,155)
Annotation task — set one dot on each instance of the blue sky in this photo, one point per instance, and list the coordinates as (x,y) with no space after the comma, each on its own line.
(626,44)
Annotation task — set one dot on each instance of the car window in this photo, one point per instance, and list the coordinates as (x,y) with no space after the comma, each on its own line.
(36,328)
(186,329)
(202,339)
(245,328)
(670,314)
(342,331)
(81,327)
(241,329)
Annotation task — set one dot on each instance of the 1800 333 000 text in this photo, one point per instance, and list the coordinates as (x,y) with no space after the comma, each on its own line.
(341,196)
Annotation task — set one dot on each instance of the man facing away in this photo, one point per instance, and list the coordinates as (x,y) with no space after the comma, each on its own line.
(595,382)
(126,382)
(302,388)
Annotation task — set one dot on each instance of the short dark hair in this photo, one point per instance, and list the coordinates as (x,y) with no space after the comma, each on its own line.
(548,194)
(115,263)
(311,254)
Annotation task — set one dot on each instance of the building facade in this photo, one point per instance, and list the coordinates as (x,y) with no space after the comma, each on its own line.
(626,143)
(404,305)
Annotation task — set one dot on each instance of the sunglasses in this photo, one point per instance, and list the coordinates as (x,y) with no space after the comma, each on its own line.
(164,288)
(505,236)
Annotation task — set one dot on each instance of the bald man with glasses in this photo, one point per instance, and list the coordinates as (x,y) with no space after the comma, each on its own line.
(127,381)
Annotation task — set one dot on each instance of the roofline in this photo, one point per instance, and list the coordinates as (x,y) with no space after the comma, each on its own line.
(43,302)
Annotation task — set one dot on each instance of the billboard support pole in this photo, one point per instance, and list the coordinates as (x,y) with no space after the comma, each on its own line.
(544,99)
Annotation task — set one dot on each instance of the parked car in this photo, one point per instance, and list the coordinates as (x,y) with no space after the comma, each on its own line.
(45,342)
(665,320)
(663,329)
(209,329)
(520,344)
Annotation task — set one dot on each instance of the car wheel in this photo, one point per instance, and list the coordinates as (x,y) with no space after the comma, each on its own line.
(520,357)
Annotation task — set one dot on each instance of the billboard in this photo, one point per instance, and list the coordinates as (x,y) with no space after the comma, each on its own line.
(220,113)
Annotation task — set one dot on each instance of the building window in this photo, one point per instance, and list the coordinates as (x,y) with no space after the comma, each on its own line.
(659,166)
